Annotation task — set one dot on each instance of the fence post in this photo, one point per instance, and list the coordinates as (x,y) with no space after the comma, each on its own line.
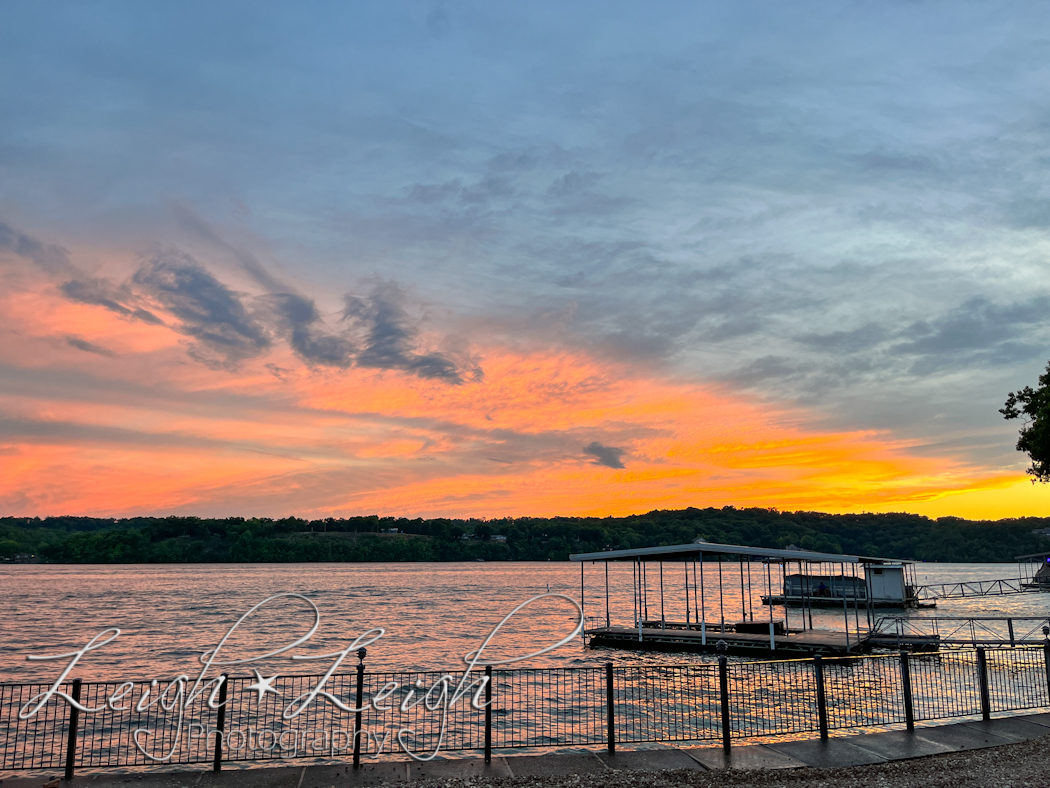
(610,709)
(909,710)
(488,714)
(360,698)
(822,701)
(74,719)
(220,725)
(982,681)
(723,684)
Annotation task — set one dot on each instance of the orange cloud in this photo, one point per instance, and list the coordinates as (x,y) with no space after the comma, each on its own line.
(148,430)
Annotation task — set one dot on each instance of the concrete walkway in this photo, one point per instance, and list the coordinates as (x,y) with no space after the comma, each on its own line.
(859,750)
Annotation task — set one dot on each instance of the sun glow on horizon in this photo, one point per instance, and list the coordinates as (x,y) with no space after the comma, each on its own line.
(134,427)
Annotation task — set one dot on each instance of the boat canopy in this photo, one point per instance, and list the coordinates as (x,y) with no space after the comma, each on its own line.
(687,552)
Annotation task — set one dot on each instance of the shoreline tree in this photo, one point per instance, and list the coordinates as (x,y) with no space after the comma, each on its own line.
(1034,437)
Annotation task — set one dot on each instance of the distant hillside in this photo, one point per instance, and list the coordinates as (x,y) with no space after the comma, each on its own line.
(236,539)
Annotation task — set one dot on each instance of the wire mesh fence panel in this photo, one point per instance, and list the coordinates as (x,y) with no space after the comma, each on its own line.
(1017,678)
(142,724)
(667,703)
(863,691)
(548,707)
(34,743)
(772,698)
(420,712)
(945,685)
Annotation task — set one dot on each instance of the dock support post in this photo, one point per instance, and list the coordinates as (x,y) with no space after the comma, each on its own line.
(982,680)
(606,593)
(582,614)
(663,620)
(220,725)
(703,601)
(769,596)
(723,684)
(688,622)
(610,709)
(74,720)
(909,710)
(488,714)
(822,700)
(1010,628)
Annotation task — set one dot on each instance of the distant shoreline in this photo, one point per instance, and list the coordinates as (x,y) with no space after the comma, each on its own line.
(374,539)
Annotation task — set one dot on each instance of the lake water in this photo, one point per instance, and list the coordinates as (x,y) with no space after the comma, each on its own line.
(432,614)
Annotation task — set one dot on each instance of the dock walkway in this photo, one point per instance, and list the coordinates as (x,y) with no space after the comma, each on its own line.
(795,644)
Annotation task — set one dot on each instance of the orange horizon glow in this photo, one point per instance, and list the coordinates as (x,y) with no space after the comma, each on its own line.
(143,429)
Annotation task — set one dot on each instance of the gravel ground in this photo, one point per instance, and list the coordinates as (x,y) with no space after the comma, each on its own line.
(1006,766)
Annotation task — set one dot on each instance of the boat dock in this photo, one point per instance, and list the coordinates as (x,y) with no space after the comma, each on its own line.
(850,585)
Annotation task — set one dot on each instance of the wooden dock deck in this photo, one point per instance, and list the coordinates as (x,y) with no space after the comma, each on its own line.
(793,645)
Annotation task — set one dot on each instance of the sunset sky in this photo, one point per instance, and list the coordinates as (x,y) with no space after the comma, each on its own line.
(491,259)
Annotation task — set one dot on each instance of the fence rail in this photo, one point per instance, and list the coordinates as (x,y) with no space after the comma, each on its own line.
(946,632)
(972,588)
(347,715)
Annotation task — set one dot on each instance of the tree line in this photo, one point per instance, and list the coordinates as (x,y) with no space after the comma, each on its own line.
(373,538)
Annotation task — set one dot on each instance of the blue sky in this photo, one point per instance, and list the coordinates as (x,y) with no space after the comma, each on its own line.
(836,211)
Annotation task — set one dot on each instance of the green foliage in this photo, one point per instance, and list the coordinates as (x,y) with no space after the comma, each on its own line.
(363,539)
(1034,437)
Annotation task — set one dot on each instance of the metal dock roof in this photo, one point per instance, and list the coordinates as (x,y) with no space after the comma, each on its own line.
(683,552)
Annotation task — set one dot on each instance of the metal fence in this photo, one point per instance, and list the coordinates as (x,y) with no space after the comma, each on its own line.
(361,713)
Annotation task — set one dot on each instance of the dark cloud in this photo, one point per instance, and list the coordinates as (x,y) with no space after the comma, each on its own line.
(227,327)
(306,333)
(486,190)
(491,187)
(764,369)
(572,183)
(51,258)
(853,341)
(89,347)
(431,193)
(609,456)
(979,324)
(389,336)
(896,162)
(1027,213)
(207,310)
(103,292)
